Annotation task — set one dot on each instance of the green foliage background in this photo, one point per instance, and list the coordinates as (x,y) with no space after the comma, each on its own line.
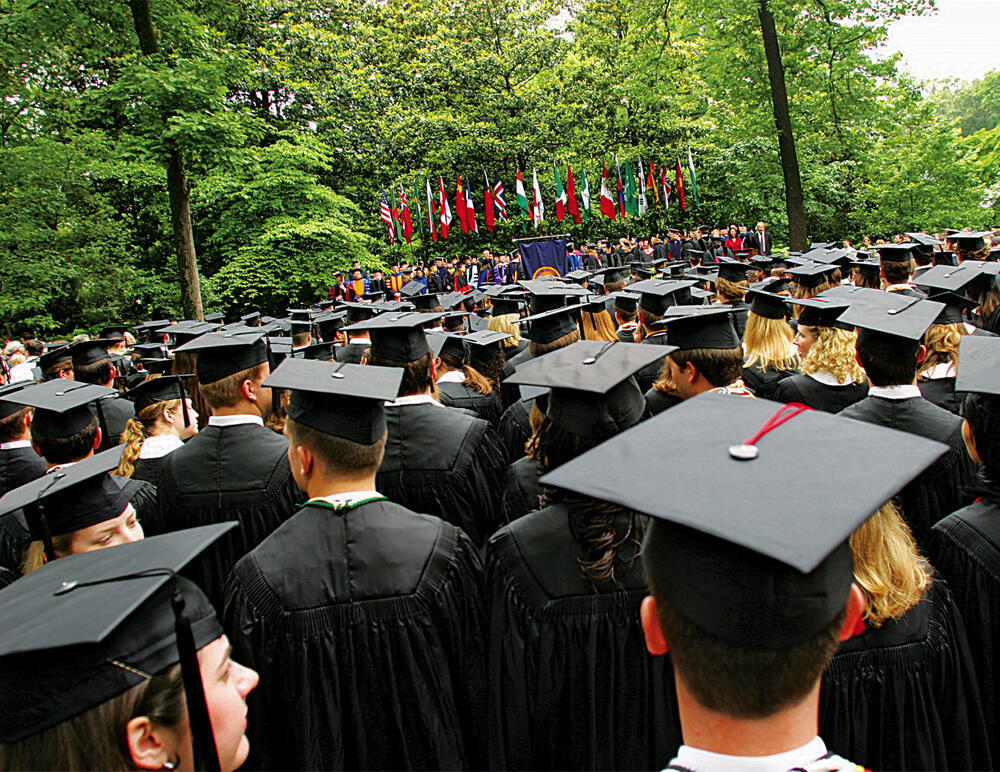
(293,116)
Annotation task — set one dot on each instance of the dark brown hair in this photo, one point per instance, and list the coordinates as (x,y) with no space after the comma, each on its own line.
(96,372)
(473,378)
(12,427)
(719,366)
(226,392)
(186,363)
(897,272)
(882,372)
(540,349)
(338,456)
(416,375)
(60,450)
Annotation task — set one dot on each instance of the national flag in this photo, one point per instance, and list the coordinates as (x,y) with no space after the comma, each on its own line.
(397,222)
(585,196)
(631,197)
(444,211)
(536,198)
(694,182)
(489,216)
(621,191)
(499,201)
(404,215)
(470,212)
(560,194)
(430,212)
(460,204)
(416,200)
(680,184)
(522,198)
(642,189)
(607,203)
(651,184)
(386,214)
(571,205)
(668,190)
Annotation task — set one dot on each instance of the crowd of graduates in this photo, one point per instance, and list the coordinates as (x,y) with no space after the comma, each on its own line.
(693,504)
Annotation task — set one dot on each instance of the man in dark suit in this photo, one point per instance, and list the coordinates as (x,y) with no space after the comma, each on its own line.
(761,240)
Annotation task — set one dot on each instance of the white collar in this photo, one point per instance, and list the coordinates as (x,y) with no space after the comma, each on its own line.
(452,376)
(340,500)
(15,445)
(903,391)
(698,760)
(898,287)
(60,467)
(971,328)
(826,378)
(414,399)
(235,420)
(365,341)
(940,370)
(159,445)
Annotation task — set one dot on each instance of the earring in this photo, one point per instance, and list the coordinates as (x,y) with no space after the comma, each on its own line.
(169,765)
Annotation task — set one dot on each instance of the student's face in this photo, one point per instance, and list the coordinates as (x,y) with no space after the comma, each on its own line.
(803,341)
(118,530)
(227,684)
(265,396)
(177,416)
(680,379)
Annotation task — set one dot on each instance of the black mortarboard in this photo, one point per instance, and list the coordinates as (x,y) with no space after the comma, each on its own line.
(427,302)
(871,268)
(822,312)
(161,389)
(149,327)
(336,398)
(485,338)
(329,323)
(924,240)
(506,304)
(378,295)
(657,295)
(359,312)
(610,274)
(412,288)
(452,301)
(891,324)
(978,365)
(971,241)
(732,270)
(7,407)
(158,365)
(62,407)
(578,276)
(551,325)
(216,318)
(811,274)
(88,352)
(626,301)
(55,356)
(250,318)
(397,337)
(221,354)
(147,350)
(773,284)
(114,333)
(759,568)
(452,345)
(954,307)
(300,314)
(767,304)
(897,253)
(319,352)
(85,628)
(831,257)
(188,330)
(694,327)
(394,305)
(950,278)
(301,326)
(547,295)
(592,392)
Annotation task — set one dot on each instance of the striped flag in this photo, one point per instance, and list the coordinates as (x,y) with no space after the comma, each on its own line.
(499,201)
(643,204)
(430,212)
(585,196)
(560,194)
(522,198)
(651,184)
(680,185)
(460,204)
(621,189)
(416,201)
(444,211)
(404,215)
(470,211)
(489,213)
(536,193)
(571,205)
(607,203)
(694,183)
(386,214)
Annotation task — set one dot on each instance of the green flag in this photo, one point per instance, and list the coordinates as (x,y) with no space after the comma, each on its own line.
(397,219)
(585,196)
(694,184)
(560,194)
(631,198)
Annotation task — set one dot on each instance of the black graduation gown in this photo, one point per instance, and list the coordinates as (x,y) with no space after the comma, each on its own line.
(657,401)
(485,406)
(368,631)
(941,391)
(943,487)
(226,473)
(351,353)
(515,427)
(7,577)
(648,375)
(904,695)
(965,549)
(116,415)
(509,392)
(571,683)
(19,466)
(763,382)
(444,462)
(149,469)
(14,541)
(819,396)
(509,352)
(521,488)
(992,324)
(741,309)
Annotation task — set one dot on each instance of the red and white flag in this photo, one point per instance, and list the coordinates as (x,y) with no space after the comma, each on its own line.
(386,214)
(608,207)
(430,212)
(444,210)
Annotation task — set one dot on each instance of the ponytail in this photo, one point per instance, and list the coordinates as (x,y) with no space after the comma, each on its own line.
(473,378)
(137,431)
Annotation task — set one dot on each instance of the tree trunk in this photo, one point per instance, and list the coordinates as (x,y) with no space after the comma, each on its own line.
(177,189)
(794,202)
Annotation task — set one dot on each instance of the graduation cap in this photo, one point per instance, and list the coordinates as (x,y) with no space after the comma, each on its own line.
(978,365)
(447,343)
(157,365)
(86,628)
(300,326)
(221,354)
(412,289)
(88,352)
(731,270)
(700,327)
(427,302)
(55,356)
(822,312)
(115,333)
(188,330)
(62,407)
(251,318)
(657,295)
(892,324)
(773,284)
(626,301)
(329,323)
(871,268)
(507,304)
(822,245)
(832,257)
(320,352)
(147,328)
(337,398)
(485,338)
(452,301)
(950,278)
(216,318)
(551,325)
(759,567)
(592,392)
(955,306)
(8,407)
(897,253)
(767,304)
(971,241)
(610,274)
(810,274)
(397,337)
(547,295)
(578,276)
(924,240)
(161,389)
(299,314)
(373,296)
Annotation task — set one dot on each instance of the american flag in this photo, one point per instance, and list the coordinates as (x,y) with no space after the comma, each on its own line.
(498,200)
(386,214)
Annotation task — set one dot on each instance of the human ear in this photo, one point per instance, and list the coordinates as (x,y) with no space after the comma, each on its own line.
(248,391)
(656,644)
(305,458)
(97,439)
(970,443)
(856,606)
(149,745)
(921,354)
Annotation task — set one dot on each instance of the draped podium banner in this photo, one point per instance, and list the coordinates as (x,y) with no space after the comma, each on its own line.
(543,258)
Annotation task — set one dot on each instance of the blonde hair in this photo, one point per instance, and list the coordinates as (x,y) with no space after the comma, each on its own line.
(17,359)
(833,352)
(942,346)
(137,430)
(34,556)
(887,566)
(768,343)
(597,326)
(506,323)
